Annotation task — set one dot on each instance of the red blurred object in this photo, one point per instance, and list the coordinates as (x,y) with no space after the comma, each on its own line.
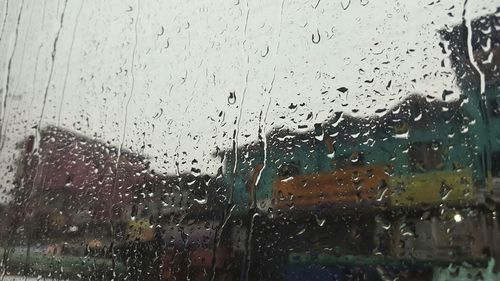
(82,178)
(197,264)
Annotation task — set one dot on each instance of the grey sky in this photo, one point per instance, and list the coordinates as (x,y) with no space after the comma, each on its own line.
(175,62)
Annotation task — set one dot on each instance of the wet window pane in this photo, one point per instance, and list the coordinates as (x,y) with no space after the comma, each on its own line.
(249,140)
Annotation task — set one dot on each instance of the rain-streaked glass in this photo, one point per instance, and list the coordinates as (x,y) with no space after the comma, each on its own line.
(250,140)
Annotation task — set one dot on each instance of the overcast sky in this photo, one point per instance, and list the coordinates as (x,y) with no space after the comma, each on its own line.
(161,73)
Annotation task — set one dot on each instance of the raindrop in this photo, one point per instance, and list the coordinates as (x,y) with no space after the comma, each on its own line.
(318,39)
(201,201)
(446,93)
(355,157)
(445,191)
(402,131)
(342,89)
(232,98)
(162,31)
(346,6)
(195,172)
(319,132)
(267,52)
(319,221)
(418,117)
(317,4)
(388,85)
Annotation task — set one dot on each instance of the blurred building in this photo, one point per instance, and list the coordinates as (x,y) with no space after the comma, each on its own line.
(70,184)
(65,180)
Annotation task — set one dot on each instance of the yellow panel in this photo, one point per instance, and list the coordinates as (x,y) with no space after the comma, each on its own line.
(431,188)
(140,230)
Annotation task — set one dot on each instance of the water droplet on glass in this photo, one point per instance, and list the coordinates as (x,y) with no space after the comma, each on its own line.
(319,221)
(201,201)
(232,98)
